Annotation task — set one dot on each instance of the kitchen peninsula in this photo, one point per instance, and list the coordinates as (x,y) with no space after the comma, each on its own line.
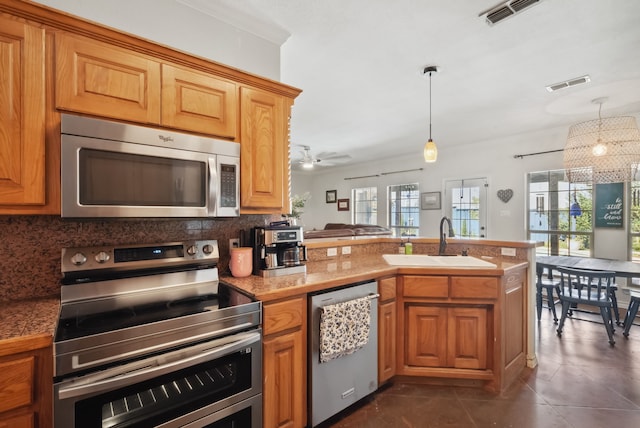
(468,326)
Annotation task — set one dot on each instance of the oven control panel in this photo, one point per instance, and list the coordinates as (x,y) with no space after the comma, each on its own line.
(135,257)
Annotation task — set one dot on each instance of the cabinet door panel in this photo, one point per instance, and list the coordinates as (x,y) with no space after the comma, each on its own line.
(284,387)
(197,102)
(263,151)
(386,341)
(100,79)
(22,106)
(467,338)
(426,335)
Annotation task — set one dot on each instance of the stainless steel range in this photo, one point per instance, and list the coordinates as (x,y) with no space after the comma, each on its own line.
(148,336)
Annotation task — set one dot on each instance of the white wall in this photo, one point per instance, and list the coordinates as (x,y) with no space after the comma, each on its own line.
(176,25)
(491,159)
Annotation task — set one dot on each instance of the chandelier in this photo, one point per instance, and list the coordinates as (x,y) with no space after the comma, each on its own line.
(606,150)
(430,149)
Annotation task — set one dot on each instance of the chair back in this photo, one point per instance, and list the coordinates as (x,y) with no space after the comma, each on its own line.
(588,286)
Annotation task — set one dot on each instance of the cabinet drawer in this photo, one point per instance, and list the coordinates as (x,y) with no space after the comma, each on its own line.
(282,316)
(387,289)
(426,286)
(22,421)
(16,383)
(474,287)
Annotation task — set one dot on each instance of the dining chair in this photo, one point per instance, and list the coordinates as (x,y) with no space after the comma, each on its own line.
(545,281)
(586,287)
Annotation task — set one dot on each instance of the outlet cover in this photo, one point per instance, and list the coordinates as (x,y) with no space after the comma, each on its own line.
(346,250)
(508,252)
(331,252)
(234,243)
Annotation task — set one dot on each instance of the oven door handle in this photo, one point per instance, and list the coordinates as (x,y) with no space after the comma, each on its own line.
(90,385)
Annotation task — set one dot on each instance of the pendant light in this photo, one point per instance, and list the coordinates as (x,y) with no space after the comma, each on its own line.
(606,150)
(430,149)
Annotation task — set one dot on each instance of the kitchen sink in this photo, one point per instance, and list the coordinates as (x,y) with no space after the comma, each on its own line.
(436,261)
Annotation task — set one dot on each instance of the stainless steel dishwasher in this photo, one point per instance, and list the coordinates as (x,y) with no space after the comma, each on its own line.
(336,384)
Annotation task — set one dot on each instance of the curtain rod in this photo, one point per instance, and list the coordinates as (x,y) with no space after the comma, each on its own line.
(384,173)
(537,153)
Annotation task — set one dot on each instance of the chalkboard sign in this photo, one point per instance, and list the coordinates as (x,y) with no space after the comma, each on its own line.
(609,205)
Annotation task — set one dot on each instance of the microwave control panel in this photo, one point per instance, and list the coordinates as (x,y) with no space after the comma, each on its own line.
(228,183)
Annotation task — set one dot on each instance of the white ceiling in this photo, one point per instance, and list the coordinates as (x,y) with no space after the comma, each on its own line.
(359,65)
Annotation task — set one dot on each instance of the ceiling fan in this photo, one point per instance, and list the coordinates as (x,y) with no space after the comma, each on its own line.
(308,161)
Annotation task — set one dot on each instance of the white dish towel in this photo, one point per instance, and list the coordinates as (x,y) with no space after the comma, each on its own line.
(344,328)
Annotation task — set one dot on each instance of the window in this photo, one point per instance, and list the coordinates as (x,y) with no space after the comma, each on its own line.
(404,209)
(560,214)
(466,207)
(365,205)
(634,221)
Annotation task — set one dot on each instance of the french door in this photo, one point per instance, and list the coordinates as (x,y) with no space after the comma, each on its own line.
(466,205)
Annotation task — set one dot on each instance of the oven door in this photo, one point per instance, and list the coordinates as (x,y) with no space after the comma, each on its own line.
(194,386)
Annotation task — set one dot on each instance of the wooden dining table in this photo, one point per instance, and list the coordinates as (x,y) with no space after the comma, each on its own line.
(622,268)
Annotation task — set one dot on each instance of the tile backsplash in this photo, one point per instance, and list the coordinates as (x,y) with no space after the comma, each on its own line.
(30,246)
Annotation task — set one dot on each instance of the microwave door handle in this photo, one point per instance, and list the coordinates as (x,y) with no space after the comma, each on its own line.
(213,186)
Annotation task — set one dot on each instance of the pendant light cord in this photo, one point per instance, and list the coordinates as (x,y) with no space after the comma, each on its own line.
(430,106)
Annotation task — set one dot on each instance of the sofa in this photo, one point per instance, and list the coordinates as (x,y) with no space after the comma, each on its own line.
(337,230)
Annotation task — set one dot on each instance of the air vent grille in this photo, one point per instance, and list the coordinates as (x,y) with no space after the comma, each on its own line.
(569,83)
(507,9)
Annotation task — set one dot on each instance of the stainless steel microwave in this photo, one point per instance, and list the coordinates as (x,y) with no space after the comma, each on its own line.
(112,169)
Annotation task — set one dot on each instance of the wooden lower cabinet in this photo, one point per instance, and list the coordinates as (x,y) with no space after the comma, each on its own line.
(26,383)
(470,327)
(386,329)
(284,374)
(446,336)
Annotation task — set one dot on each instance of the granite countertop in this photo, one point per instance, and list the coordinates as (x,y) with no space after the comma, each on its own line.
(39,317)
(31,317)
(325,274)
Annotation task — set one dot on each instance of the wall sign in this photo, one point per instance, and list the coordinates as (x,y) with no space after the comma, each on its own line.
(609,205)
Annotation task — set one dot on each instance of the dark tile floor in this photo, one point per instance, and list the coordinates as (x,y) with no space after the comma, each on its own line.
(580,382)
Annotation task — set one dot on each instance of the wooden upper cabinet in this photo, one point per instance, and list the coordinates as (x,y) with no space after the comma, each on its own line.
(264,152)
(198,102)
(22,114)
(97,78)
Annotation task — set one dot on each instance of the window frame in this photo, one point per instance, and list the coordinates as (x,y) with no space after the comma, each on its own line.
(565,234)
(407,205)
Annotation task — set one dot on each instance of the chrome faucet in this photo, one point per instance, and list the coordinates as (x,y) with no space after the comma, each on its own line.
(443,235)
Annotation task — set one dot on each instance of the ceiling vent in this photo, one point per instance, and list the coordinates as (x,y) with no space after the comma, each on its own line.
(507,9)
(569,83)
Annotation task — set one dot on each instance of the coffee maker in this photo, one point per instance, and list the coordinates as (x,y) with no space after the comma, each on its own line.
(278,250)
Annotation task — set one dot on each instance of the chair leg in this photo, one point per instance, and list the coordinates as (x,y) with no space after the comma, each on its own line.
(565,311)
(614,304)
(539,302)
(606,317)
(631,315)
(552,304)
